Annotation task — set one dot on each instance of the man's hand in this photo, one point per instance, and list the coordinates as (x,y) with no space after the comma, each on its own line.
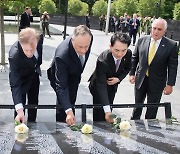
(132,79)
(112,81)
(108,119)
(168,90)
(70,118)
(20,116)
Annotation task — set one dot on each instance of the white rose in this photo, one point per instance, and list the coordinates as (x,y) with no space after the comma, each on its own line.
(21,137)
(21,129)
(124,125)
(86,129)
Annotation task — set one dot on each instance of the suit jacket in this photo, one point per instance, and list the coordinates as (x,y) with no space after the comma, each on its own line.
(132,26)
(105,68)
(22,70)
(65,73)
(25,20)
(163,68)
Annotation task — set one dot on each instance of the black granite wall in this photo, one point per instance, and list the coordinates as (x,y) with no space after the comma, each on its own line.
(173,30)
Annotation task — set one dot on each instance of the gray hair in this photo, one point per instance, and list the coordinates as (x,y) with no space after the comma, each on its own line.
(81,30)
(28,34)
(162,20)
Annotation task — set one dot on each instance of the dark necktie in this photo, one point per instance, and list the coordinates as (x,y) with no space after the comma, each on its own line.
(81,58)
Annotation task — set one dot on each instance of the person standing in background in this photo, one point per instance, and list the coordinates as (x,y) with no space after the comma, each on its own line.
(134,23)
(26,18)
(45,23)
(125,23)
(87,20)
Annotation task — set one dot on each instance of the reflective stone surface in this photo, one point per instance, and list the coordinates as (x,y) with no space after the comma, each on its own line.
(47,138)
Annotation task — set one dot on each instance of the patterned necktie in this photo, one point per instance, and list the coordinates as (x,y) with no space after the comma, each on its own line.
(81,58)
(117,64)
(151,54)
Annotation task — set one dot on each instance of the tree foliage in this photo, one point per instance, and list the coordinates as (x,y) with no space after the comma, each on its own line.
(129,6)
(99,8)
(84,9)
(176,11)
(74,7)
(168,9)
(47,5)
(90,4)
(16,7)
(147,8)
(113,8)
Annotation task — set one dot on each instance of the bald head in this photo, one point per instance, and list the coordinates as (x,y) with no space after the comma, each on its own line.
(160,21)
(159,27)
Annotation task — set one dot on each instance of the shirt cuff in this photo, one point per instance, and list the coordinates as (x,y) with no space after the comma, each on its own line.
(18,106)
(68,110)
(107,108)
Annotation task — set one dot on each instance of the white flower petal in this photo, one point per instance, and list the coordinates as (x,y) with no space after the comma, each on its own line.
(86,129)
(21,129)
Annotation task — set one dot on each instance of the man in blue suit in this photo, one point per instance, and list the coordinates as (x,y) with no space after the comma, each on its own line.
(134,23)
(66,69)
(154,68)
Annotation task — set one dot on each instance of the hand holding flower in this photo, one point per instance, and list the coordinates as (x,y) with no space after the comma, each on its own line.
(21,129)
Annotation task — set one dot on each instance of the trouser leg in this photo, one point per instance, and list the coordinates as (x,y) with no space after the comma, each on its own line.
(153,97)
(140,95)
(33,95)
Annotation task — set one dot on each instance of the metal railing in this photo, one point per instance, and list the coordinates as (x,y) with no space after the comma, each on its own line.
(84,107)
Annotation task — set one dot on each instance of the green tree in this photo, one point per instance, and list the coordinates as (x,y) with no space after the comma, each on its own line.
(147,8)
(74,7)
(113,8)
(129,6)
(47,5)
(99,8)
(16,7)
(84,9)
(90,4)
(176,11)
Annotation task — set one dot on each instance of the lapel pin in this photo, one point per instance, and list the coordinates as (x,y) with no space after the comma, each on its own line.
(163,45)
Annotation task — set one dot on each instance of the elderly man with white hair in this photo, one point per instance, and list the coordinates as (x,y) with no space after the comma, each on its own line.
(154,68)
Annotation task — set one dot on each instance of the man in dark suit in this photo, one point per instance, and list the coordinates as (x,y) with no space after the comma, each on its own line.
(26,18)
(134,23)
(111,68)
(154,68)
(66,69)
(25,58)
(125,23)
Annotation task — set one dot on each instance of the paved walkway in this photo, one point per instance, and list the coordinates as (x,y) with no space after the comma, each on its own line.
(125,93)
